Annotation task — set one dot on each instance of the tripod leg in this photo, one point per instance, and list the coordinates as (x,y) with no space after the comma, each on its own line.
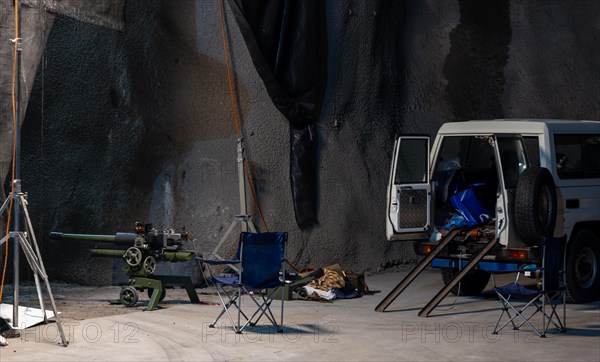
(224,238)
(36,278)
(2,209)
(40,266)
(58,322)
(251,226)
(5,204)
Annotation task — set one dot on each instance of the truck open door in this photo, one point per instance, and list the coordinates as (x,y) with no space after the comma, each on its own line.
(408,214)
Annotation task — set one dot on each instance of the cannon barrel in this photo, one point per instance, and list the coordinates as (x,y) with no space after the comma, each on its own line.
(118,238)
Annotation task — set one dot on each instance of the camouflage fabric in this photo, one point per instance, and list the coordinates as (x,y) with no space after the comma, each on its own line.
(330,280)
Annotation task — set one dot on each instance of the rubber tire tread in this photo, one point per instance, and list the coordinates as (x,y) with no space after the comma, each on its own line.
(134,294)
(530,185)
(471,285)
(575,294)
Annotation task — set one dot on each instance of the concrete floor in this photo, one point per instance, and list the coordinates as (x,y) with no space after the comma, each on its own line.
(458,330)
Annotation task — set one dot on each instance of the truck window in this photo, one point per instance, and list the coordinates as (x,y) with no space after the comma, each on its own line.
(532,147)
(512,157)
(463,161)
(411,166)
(467,152)
(451,156)
(577,156)
(481,153)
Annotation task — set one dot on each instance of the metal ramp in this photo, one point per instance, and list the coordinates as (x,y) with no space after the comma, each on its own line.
(457,278)
(412,275)
(382,306)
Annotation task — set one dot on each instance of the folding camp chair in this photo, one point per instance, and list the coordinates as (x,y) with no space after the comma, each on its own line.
(261,275)
(550,292)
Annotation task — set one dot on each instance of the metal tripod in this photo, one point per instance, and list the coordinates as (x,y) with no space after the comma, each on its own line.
(26,239)
(244,219)
(29,245)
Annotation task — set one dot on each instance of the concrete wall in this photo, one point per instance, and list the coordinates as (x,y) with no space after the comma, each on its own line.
(137,126)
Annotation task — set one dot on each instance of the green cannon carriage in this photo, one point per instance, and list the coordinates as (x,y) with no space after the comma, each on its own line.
(141,252)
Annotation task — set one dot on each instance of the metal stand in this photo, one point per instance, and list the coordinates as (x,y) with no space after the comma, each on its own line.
(26,239)
(157,284)
(28,243)
(243,219)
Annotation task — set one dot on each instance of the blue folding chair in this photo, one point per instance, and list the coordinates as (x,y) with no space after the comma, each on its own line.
(550,292)
(261,275)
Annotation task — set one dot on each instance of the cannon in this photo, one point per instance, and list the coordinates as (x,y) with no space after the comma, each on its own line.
(141,252)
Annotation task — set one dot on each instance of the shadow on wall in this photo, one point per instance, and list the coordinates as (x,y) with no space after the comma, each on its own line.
(475,64)
(118,122)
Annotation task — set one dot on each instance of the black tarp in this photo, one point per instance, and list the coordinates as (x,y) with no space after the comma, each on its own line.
(285,41)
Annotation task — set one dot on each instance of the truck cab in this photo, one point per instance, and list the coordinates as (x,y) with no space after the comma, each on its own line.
(512,181)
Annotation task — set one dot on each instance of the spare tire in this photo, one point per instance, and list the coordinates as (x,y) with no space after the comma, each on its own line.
(535,205)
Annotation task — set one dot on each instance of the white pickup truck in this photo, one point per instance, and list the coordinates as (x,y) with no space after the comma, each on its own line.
(529,179)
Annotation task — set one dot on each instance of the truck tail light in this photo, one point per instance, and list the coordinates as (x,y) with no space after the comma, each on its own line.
(425,248)
(517,254)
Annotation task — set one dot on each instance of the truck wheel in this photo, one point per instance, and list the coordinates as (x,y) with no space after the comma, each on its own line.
(472,284)
(583,264)
(535,205)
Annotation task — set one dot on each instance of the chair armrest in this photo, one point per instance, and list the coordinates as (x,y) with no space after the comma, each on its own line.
(216,261)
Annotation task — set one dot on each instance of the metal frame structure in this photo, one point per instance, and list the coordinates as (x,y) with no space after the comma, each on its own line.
(24,240)
(27,241)
(244,219)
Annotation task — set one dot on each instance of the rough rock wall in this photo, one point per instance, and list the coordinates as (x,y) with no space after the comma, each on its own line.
(137,125)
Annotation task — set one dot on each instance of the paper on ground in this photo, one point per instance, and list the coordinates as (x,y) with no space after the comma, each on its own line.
(28,316)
